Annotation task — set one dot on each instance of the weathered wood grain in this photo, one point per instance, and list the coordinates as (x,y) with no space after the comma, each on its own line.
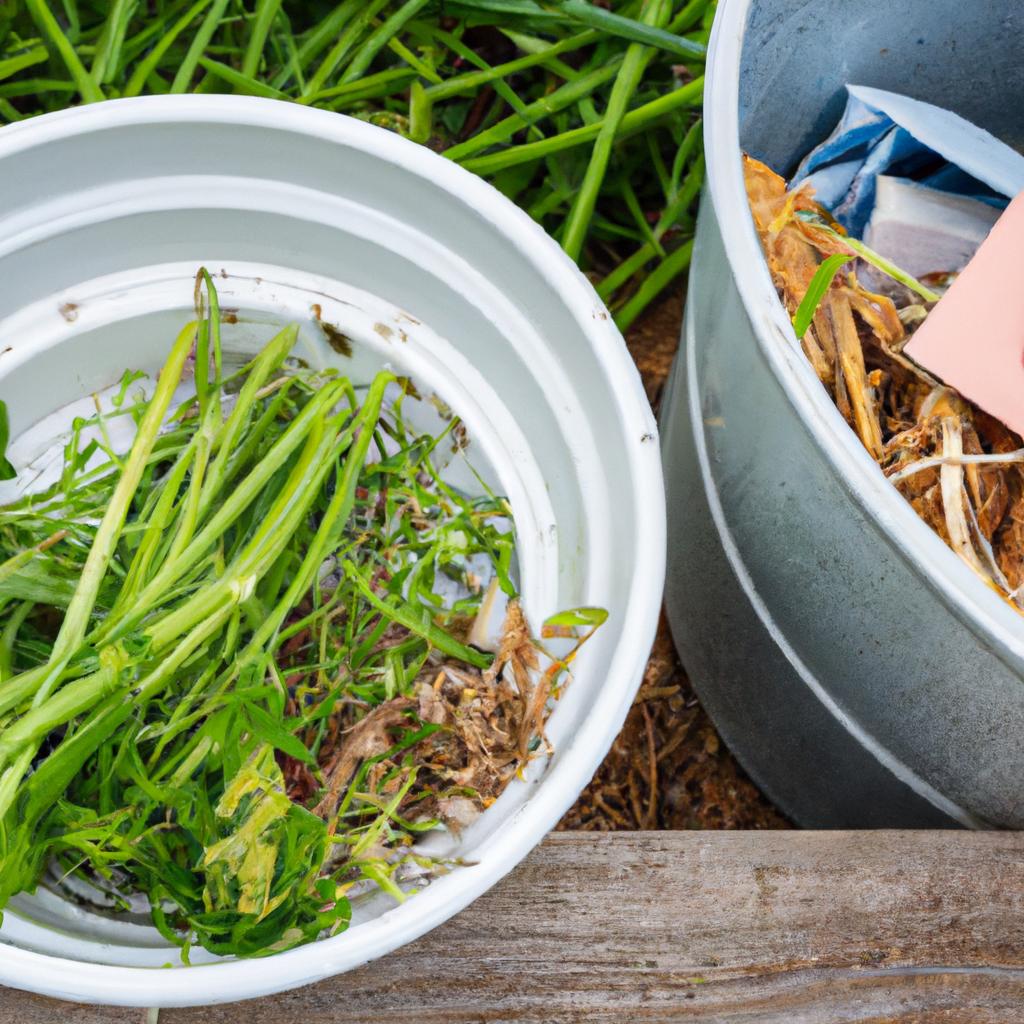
(654,927)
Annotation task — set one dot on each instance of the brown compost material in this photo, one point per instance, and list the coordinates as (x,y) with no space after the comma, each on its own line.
(925,436)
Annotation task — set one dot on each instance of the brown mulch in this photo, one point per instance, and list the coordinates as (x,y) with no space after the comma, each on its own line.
(667,769)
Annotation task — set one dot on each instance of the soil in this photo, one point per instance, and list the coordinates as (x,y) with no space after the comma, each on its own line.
(668,768)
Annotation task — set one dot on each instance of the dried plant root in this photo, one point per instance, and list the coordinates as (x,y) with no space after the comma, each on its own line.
(954,500)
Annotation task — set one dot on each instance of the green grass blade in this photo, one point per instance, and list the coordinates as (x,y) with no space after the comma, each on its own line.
(643,225)
(12,65)
(637,57)
(420,114)
(587,13)
(266,12)
(886,266)
(35,87)
(501,87)
(667,271)
(240,82)
(48,25)
(684,198)
(106,60)
(417,620)
(690,15)
(383,83)
(76,619)
(397,47)
(148,65)
(344,45)
(503,9)
(636,120)
(200,42)
(152,29)
(318,39)
(379,37)
(565,96)
(820,284)
(7,471)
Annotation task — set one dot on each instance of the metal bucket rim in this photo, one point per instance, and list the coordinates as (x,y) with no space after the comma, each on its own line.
(984,611)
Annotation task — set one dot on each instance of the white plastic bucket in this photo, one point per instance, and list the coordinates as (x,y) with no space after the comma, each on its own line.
(109,210)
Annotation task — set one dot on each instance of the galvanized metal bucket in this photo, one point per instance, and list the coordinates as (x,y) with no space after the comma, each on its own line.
(304,215)
(861,672)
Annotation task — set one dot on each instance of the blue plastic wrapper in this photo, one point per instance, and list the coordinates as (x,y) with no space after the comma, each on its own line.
(885,133)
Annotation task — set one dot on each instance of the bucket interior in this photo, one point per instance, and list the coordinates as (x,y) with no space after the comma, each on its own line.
(797,58)
(127,322)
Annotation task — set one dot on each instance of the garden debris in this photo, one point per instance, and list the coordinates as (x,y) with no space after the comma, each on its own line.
(884,133)
(947,456)
(667,768)
(477,730)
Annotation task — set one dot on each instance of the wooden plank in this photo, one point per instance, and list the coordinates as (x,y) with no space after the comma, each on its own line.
(674,926)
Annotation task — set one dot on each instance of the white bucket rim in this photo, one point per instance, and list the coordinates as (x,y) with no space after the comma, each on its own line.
(231,980)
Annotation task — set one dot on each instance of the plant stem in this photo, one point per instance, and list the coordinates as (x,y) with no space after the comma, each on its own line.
(200,42)
(150,62)
(636,120)
(76,618)
(379,38)
(266,12)
(565,96)
(43,17)
(346,41)
(669,269)
(626,82)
